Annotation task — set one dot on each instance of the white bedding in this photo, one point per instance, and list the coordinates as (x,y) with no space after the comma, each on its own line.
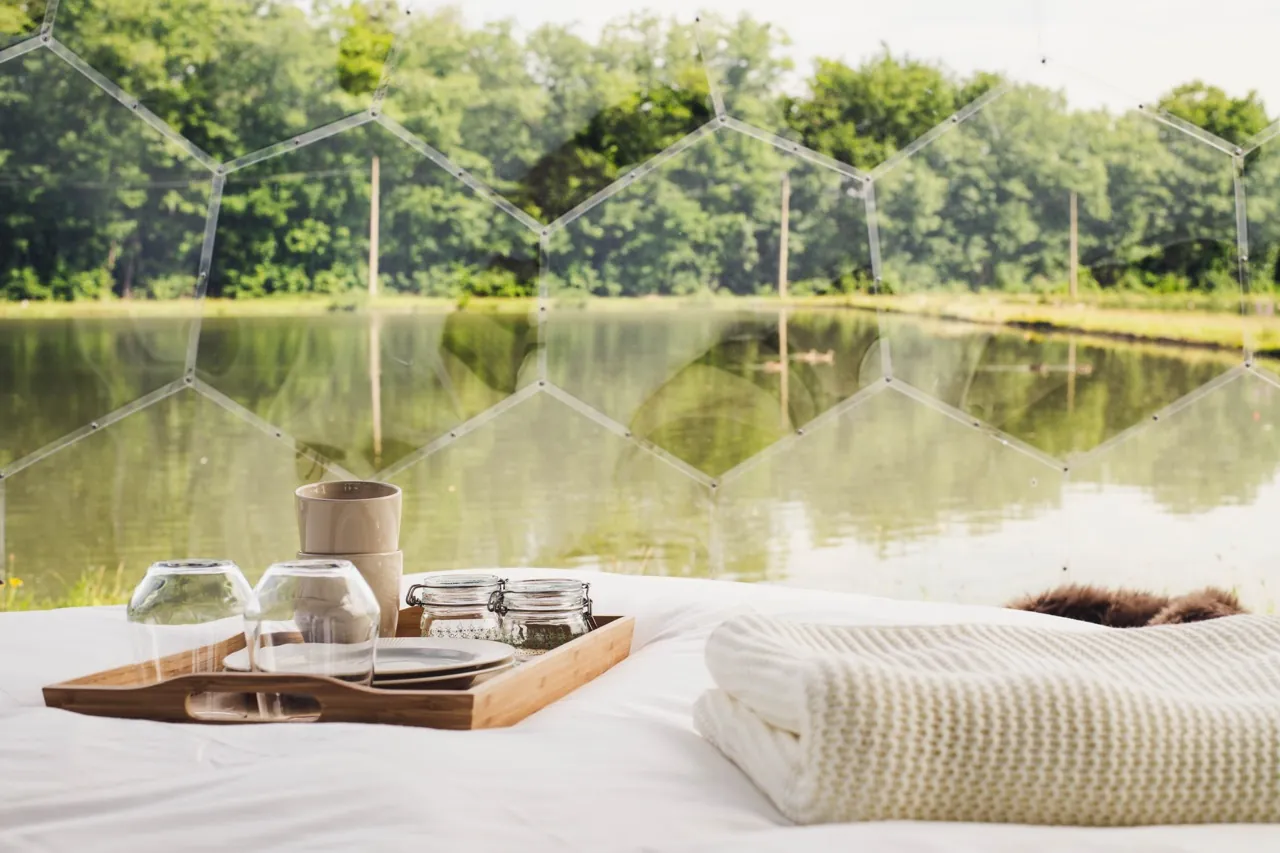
(616,766)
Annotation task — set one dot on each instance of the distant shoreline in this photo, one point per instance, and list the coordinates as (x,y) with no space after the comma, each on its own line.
(1174,320)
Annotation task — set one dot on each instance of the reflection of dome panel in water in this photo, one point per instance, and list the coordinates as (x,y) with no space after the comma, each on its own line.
(1062,394)
(895,498)
(1188,500)
(741,395)
(182,478)
(543,485)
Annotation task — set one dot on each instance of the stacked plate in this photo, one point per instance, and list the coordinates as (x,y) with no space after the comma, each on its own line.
(409,663)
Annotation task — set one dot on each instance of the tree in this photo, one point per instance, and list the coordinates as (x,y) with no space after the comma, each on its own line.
(1233,119)
(862,115)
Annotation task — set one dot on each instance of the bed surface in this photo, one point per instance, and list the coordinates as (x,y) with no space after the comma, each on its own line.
(615,766)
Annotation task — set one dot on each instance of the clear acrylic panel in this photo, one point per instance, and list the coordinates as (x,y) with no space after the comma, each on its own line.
(896,498)
(714,381)
(182,478)
(540,112)
(861,92)
(829,295)
(1033,213)
(543,485)
(131,212)
(1210,67)
(1187,500)
(365,387)
(20,19)
(271,70)
(1260,187)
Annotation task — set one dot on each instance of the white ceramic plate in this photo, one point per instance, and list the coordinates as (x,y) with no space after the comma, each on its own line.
(396,656)
(335,659)
(449,681)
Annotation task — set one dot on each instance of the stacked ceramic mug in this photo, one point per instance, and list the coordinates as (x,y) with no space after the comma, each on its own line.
(359,522)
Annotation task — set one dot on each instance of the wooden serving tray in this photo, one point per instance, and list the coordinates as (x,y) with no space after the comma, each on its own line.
(135,692)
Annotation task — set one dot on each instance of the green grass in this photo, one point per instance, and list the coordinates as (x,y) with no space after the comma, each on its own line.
(94,588)
(1213,320)
(289,306)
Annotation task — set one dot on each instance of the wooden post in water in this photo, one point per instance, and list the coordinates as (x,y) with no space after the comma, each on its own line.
(784,415)
(375,383)
(375,188)
(1071,376)
(1075,247)
(783,400)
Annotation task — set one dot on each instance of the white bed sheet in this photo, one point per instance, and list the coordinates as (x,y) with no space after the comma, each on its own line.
(616,766)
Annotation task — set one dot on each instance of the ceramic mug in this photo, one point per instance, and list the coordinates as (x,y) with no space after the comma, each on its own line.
(327,609)
(336,519)
(383,573)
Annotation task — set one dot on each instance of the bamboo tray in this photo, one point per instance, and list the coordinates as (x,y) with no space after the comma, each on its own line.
(505,699)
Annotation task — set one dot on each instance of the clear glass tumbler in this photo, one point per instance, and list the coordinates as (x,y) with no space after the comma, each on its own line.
(186,616)
(311,617)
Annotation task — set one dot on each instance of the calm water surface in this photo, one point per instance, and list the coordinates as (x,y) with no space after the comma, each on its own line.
(825,475)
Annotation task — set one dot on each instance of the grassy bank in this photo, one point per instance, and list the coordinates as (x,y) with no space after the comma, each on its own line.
(1178,320)
(275,306)
(94,588)
(1205,320)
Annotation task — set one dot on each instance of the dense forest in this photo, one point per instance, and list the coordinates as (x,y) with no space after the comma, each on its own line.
(96,204)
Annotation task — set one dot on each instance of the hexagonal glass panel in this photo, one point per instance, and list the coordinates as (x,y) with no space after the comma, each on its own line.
(713,383)
(542,485)
(238,75)
(1201,484)
(895,498)
(543,114)
(183,478)
(1260,181)
(1050,211)
(95,207)
(1211,70)
(20,19)
(864,83)
(366,379)
(1063,393)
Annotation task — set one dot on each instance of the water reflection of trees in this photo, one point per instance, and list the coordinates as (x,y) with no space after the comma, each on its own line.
(1023,383)
(737,397)
(1218,451)
(892,470)
(314,376)
(544,483)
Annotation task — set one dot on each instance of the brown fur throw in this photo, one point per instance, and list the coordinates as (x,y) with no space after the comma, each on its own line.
(1128,608)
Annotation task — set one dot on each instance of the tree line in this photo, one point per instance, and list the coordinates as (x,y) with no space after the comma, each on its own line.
(1031,193)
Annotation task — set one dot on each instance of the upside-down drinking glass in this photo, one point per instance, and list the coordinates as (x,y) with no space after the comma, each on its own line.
(311,617)
(185,617)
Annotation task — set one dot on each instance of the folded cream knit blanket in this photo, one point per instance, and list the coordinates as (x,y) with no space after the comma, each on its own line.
(1012,724)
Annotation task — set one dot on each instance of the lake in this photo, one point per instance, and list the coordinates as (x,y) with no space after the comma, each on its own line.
(667,440)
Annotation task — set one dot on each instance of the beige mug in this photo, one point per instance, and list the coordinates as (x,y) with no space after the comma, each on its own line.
(383,573)
(336,519)
(325,612)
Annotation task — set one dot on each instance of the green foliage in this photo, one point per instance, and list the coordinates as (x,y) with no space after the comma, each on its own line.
(18,19)
(94,205)
(364,47)
(863,115)
(1233,119)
